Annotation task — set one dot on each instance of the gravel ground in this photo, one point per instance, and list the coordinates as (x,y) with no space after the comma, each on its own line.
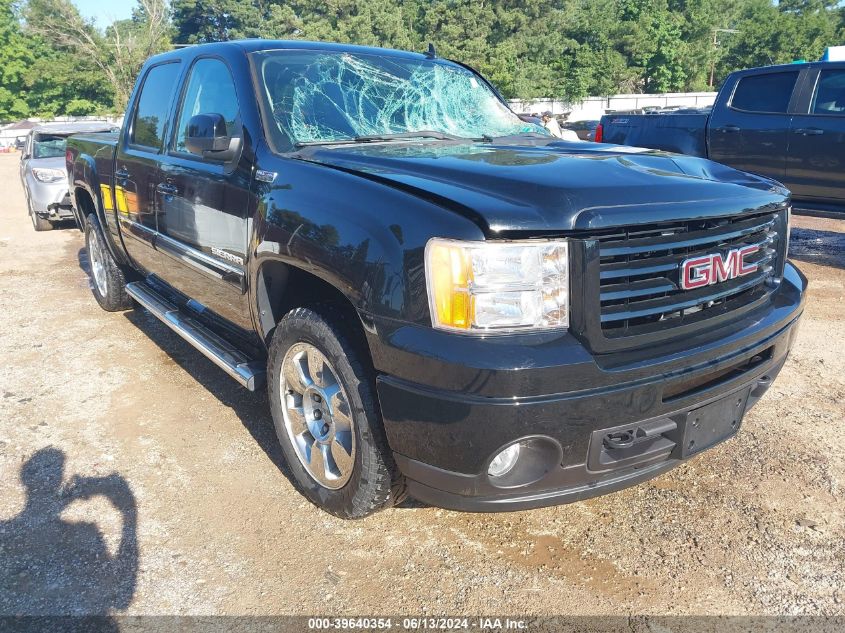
(136,477)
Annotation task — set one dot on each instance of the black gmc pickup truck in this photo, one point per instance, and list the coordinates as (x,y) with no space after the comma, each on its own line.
(443,300)
(784,122)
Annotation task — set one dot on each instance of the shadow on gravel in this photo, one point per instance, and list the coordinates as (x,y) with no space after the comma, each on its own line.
(826,248)
(49,566)
(250,406)
(84,264)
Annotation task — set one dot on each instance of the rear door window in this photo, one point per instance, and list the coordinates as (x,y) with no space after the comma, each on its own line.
(770,92)
(830,93)
(154,105)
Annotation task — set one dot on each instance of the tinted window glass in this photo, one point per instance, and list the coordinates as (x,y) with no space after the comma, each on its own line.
(211,90)
(153,104)
(830,93)
(765,93)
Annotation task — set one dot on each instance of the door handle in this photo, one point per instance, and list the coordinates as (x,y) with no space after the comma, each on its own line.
(122,173)
(809,131)
(730,129)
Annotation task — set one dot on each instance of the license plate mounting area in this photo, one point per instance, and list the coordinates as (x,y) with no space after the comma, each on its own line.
(713,423)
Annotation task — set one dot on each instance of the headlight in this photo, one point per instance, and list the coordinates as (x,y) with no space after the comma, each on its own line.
(498,286)
(49,175)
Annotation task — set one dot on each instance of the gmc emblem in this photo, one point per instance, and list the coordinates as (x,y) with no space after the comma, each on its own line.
(697,272)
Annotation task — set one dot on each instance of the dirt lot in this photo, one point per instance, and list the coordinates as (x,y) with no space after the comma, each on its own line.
(203,521)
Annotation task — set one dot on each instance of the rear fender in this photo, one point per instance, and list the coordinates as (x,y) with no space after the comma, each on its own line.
(85,178)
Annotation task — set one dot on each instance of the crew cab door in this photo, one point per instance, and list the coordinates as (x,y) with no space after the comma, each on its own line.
(816,165)
(205,204)
(136,164)
(750,131)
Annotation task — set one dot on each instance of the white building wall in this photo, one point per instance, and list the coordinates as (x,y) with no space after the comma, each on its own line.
(595,107)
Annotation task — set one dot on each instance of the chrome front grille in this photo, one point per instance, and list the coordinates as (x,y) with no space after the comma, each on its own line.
(640,288)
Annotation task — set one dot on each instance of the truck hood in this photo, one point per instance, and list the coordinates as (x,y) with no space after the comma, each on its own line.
(541,186)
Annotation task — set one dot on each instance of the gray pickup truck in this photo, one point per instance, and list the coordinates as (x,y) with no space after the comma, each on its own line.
(785,122)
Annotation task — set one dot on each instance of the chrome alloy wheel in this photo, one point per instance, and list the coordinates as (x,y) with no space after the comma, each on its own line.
(97,259)
(317,416)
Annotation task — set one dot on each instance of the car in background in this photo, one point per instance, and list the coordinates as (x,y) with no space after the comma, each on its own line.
(530,118)
(784,122)
(586,130)
(43,171)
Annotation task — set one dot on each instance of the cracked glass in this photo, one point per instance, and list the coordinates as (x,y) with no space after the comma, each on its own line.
(327,96)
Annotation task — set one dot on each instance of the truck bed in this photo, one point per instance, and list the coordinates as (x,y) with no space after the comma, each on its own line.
(100,146)
(681,133)
(94,139)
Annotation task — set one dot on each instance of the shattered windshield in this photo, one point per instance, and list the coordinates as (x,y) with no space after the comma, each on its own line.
(322,97)
(49,146)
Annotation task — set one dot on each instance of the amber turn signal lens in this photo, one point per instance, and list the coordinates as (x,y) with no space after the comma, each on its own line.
(449,273)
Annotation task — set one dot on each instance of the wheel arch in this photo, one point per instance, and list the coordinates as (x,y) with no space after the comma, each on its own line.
(86,182)
(85,203)
(280,286)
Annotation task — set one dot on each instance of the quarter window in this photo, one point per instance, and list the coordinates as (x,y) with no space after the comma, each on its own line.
(765,93)
(211,90)
(153,106)
(830,93)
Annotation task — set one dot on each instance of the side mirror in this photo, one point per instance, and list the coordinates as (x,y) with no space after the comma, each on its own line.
(207,136)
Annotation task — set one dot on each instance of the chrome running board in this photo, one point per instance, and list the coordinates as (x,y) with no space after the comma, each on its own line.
(234,362)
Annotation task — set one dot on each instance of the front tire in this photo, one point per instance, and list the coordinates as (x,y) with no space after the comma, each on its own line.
(108,281)
(322,397)
(38,223)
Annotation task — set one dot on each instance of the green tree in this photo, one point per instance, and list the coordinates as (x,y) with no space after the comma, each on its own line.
(117,53)
(16,59)
(199,21)
(60,83)
(547,48)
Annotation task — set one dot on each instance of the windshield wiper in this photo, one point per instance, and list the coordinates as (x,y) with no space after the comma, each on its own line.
(441,136)
(374,138)
(489,139)
(340,141)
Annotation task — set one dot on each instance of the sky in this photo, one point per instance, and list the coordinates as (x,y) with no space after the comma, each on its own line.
(105,11)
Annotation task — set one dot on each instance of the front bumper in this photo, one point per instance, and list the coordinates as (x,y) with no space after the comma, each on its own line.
(450,403)
(50,200)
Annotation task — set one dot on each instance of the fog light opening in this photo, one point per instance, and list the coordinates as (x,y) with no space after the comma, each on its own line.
(504,461)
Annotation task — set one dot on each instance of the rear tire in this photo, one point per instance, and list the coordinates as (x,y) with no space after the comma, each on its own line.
(39,223)
(322,397)
(108,282)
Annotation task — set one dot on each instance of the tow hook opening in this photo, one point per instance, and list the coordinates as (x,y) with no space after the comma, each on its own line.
(632,445)
(619,439)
